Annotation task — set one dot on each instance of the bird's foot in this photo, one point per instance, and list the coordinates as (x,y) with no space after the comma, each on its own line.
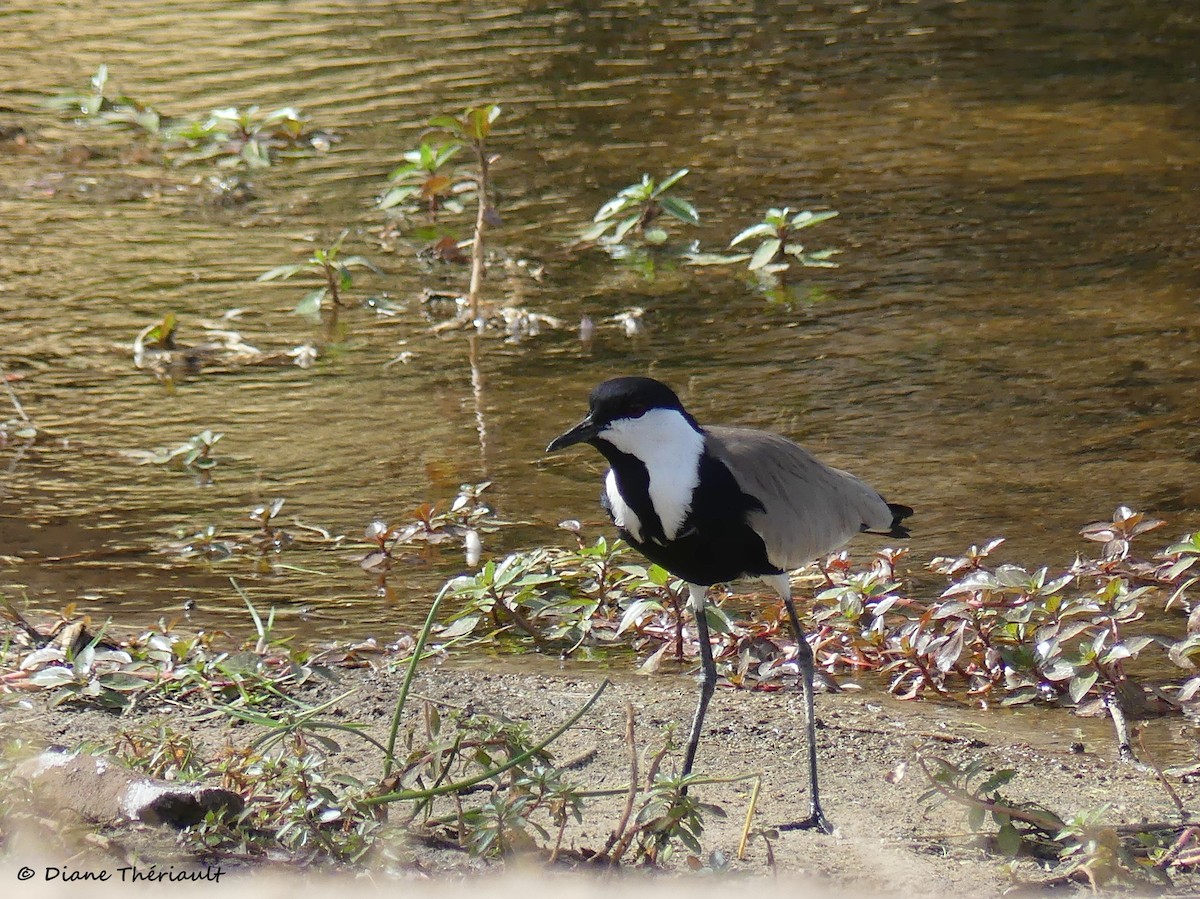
(815,821)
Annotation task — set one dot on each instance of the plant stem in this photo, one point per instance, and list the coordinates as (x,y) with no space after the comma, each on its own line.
(483,204)
(12,396)
(405,795)
(418,650)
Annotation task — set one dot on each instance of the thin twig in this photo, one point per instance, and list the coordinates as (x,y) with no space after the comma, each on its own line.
(1171,855)
(12,396)
(1162,778)
(617,839)
(481,211)
(1112,702)
(741,853)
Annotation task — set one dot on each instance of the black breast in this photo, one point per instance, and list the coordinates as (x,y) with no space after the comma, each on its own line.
(715,544)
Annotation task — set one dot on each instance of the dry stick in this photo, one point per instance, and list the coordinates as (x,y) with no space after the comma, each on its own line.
(12,396)
(1113,704)
(562,829)
(477,386)
(741,853)
(1176,850)
(1162,778)
(617,839)
(578,760)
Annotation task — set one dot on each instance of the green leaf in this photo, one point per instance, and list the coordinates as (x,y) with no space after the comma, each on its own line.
(100,78)
(818,259)
(125,683)
(479,121)
(611,208)
(975,818)
(714,258)
(52,676)
(807,219)
(1008,840)
(361,261)
(447,123)
(1080,685)
(310,306)
(623,228)
(765,253)
(394,197)
(407,170)
(666,185)
(282,271)
(656,237)
(680,209)
(636,611)
(762,229)
(718,621)
(459,628)
(595,232)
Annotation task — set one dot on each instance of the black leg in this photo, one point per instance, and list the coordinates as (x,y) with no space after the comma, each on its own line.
(816,819)
(708,677)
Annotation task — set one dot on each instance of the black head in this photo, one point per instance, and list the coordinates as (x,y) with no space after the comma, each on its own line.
(617,399)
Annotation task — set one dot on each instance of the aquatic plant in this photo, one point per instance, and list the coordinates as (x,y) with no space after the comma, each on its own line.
(98,106)
(228,136)
(425,180)
(996,634)
(248,136)
(472,129)
(325,302)
(778,247)
(638,209)
(195,455)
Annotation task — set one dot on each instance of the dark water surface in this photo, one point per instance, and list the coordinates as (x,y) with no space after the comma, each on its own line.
(1009,345)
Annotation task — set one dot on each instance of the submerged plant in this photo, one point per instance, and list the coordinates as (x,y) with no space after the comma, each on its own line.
(327,263)
(233,136)
(195,455)
(638,208)
(229,136)
(98,106)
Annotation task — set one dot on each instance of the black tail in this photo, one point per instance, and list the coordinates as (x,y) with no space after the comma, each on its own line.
(899,513)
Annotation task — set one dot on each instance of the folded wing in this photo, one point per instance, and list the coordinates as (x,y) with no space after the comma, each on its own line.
(810,509)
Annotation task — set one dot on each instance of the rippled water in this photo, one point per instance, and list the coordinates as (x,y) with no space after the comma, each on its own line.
(1009,344)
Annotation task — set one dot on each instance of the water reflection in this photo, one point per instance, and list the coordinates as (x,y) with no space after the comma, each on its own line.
(1008,345)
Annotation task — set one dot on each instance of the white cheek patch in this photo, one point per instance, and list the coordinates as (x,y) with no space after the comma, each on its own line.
(670,448)
(624,516)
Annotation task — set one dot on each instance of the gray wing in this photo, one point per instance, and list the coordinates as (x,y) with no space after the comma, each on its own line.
(810,508)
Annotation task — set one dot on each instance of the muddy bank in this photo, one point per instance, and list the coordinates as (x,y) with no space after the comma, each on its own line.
(887,840)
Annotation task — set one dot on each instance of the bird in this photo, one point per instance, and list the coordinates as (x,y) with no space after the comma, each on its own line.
(715,504)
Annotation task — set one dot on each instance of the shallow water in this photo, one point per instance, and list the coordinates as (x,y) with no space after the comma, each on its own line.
(1008,344)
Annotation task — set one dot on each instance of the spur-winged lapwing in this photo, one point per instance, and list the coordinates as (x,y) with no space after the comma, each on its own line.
(715,504)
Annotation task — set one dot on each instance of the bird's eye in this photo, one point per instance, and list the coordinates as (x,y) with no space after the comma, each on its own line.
(637,411)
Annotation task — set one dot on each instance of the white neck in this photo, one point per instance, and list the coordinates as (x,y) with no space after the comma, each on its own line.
(670,448)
